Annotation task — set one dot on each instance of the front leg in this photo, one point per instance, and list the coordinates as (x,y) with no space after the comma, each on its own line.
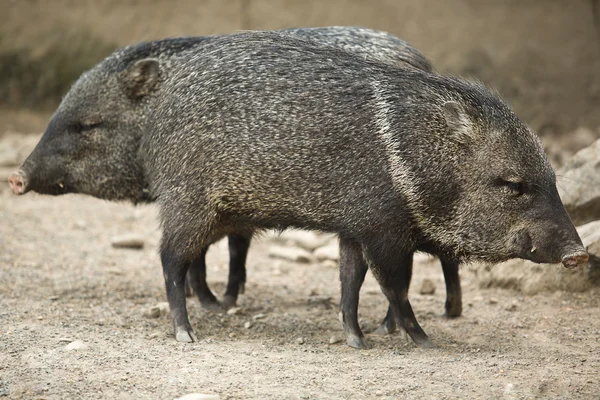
(174,270)
(352,274)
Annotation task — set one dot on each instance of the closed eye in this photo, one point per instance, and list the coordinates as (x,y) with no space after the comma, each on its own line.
(515,187)
(89,126)
(86,126)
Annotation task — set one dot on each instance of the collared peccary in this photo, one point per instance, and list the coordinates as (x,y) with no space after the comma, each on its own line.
(264,131)
(111,100)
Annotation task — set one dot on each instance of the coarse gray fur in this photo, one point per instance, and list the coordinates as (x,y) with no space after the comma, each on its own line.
(263,130)
(89,143)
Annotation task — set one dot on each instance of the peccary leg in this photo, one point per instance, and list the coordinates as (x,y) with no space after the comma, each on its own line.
(238,250)
(197,277)
(388,325)
(393,272)
(453,307)
(174,270)
(352,274)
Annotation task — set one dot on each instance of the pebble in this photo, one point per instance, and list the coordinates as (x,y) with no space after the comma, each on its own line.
(329,264)
(53,298)
(259,316)
(157,310)
(493,300)
(81,225)
(76,345)
(300,340)
(232,335)
(306,239)
(427,287)
(234,311)
(248,325)
(65,340)
(199,396)
(512,306)
(295,254)
(329,252)
(128,241)
(334,340)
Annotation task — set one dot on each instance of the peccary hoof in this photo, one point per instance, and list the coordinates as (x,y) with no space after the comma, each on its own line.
(357,342)
(185,335)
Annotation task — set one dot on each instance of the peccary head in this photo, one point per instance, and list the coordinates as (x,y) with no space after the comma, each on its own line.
(500,199)
(91,142)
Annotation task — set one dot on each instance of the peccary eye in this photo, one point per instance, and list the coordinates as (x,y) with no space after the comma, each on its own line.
(515,187)
(86,126)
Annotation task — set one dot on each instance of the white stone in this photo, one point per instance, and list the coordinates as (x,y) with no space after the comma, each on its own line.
(129,241)
(295,254)
(76,345)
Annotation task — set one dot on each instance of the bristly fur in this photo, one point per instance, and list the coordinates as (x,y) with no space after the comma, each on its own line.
(265,130)
(106,165)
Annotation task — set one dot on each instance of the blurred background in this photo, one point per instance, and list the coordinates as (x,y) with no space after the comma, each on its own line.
(543,56)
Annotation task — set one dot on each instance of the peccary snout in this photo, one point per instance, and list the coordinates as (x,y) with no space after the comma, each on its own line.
(575,259)
(18,182)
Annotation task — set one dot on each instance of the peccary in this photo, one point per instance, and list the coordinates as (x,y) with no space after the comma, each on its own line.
(111,100)
(263,130)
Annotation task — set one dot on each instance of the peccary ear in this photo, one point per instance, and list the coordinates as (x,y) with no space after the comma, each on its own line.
(141,78)
(458,121)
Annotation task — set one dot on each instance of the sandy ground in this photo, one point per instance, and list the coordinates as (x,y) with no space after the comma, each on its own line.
(62,281)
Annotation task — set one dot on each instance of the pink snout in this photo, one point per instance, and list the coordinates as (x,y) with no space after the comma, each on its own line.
(18,182)
(573,260)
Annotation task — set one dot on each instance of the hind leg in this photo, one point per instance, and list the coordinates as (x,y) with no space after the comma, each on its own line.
(197,278)
(174,270)
(352,274)
(238,250)
(453,306)
(393,270)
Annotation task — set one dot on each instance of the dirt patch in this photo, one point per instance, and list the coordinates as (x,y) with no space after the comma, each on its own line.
(62,281)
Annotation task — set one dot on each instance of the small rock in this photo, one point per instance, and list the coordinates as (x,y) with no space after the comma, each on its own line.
(153,335)
(306,239)
(512,306)
(157,310)
(300,340)
(81,225)
(76,345)
(234,311)
(232,335)
(199,396)
(493,300)
(65,340)
(334,340)
(259,316)
(53,298)
(329,264)
(248,324)
(427,287)
(128,241)
(330,252)
(295,254)
(320,300)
